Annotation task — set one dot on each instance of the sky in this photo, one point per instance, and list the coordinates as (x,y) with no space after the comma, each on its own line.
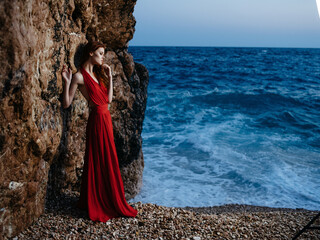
(227,23)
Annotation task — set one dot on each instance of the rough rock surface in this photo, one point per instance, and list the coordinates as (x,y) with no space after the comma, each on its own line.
(41,144)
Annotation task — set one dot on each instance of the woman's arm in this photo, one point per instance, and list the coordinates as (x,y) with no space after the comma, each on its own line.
(70,86)
(110,87)
(108,71)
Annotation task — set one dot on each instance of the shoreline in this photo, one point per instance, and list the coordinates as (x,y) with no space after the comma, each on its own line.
(243,208)
(62,220)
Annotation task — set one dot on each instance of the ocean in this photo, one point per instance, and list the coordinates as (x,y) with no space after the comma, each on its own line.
(231,125)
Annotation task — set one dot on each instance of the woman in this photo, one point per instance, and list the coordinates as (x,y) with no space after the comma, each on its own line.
(102,192)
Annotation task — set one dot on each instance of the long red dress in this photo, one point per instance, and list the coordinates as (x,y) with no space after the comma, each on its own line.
(102,192)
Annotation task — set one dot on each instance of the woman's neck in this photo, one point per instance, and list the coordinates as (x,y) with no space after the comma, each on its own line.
(88,67)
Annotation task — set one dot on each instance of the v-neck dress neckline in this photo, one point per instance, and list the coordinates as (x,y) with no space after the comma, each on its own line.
(91,77)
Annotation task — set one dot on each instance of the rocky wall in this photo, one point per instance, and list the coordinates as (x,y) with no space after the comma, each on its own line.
(41,144)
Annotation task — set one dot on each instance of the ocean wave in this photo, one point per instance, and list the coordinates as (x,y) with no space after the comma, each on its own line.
(231,125)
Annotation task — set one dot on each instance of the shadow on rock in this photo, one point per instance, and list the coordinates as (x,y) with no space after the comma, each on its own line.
(65,204)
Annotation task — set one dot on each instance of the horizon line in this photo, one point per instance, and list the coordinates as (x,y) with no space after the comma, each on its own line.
(186,46)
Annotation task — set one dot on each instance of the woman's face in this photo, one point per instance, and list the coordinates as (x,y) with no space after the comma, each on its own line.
(97,56)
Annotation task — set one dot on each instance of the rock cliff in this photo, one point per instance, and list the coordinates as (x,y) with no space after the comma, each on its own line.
(42,144)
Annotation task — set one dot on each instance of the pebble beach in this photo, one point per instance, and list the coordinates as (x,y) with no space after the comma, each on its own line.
(62,220)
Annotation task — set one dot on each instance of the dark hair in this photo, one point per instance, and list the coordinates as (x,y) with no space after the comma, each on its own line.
(99,71)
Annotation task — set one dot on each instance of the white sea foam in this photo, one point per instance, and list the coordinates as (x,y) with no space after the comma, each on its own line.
(216,164)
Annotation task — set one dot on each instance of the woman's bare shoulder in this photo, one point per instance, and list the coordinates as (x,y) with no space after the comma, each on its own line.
(78,78)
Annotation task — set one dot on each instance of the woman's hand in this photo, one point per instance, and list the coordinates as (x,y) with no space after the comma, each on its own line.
(107,70)
(66,75)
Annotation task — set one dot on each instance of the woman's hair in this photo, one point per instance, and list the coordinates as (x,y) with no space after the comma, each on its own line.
(99,71)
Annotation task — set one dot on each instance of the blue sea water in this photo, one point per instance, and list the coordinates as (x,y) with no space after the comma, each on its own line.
(231,125)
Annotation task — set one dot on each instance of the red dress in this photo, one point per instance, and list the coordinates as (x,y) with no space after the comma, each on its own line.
(102,192)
